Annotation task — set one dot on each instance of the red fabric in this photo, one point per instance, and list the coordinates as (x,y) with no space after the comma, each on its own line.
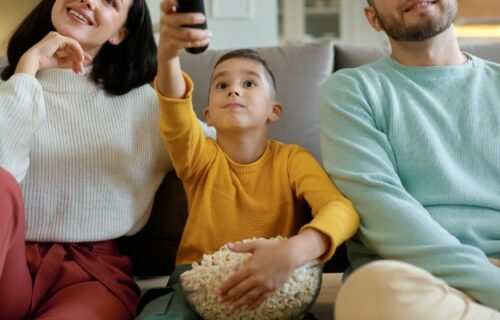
(15,279)
(70,281)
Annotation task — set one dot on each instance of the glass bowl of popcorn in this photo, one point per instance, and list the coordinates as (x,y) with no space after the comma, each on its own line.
(292,301)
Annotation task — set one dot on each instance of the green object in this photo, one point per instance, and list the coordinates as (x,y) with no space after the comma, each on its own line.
(171,305)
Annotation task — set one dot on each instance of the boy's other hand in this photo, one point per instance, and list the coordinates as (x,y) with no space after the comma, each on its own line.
(174,37)
(269,268)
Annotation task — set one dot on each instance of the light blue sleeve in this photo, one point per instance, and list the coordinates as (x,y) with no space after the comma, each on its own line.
(394,225)
(22,112)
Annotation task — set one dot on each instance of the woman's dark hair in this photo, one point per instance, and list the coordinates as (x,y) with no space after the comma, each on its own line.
(251,55)
(116,68)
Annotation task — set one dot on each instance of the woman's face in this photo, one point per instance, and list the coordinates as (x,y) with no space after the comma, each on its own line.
(91,22)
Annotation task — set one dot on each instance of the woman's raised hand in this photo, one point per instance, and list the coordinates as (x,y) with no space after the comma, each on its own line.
(54,50)
(173,36)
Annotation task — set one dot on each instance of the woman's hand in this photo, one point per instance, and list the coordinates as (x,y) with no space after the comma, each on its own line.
(271,265)
(54,50)
(173,36)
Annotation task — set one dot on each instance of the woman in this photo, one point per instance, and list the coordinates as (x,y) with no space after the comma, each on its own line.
(79,134)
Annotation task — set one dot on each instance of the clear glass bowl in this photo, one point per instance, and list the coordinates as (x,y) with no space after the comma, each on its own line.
(292,305)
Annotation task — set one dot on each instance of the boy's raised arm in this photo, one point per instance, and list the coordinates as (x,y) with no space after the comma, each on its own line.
(173,39)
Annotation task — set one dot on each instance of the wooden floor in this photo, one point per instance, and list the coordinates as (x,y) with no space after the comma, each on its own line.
(323,309)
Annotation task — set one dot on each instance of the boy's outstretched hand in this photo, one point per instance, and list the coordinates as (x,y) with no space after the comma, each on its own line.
(173,36)
(173,39)
(271,265)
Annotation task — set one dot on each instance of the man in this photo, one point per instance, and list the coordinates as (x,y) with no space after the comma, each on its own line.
(413,140)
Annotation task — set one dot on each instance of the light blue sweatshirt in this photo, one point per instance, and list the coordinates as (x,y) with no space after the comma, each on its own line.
(418,152)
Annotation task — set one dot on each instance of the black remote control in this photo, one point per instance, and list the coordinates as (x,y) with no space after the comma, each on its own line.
(193,6)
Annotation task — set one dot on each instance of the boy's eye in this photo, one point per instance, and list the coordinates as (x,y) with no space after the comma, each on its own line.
(221,85)
(249,84)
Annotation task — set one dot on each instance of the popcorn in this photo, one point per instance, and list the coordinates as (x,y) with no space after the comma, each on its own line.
(290,302)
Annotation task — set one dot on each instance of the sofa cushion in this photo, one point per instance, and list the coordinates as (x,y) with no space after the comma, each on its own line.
(300,69)
(352,56)
(153,249)
(488,51)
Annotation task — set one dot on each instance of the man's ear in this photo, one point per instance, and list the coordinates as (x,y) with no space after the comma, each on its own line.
(206,115)
(276,112)
(372,18)
(118,37)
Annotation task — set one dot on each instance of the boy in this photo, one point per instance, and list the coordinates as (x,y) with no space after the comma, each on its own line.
(243,185)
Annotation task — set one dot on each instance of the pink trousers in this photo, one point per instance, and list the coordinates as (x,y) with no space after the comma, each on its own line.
(58,280)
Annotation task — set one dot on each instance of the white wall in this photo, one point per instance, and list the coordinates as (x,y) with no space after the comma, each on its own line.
(355,28)
(259,28)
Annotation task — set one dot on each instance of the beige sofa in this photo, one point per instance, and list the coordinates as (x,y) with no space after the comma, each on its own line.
(300,70)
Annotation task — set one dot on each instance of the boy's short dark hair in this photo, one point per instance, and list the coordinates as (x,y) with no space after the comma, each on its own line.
(254,56)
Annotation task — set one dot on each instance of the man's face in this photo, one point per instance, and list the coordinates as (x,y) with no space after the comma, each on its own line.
(413,20)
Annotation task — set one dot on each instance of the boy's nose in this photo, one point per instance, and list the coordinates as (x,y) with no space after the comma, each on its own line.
(233,91)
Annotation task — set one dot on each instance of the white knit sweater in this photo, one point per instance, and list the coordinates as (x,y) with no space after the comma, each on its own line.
(90,163)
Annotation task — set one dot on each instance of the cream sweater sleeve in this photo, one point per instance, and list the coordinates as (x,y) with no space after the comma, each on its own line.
(22,112)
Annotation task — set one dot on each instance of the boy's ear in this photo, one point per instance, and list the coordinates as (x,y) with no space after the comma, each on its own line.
(118,37)
(372,18)
(206,115)
(276,112)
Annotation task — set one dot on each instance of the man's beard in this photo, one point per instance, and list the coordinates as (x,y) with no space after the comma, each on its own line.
(426,30)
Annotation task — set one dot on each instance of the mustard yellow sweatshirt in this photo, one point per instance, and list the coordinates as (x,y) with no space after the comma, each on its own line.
(229,201)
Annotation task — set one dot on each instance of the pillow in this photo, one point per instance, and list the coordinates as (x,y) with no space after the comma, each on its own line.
(488,51)
(300,70)
(352,56)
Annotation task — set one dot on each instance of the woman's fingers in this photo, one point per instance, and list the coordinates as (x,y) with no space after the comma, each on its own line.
(56,50)
(72,51)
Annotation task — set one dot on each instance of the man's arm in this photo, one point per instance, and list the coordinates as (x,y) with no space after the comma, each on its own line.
(394,225)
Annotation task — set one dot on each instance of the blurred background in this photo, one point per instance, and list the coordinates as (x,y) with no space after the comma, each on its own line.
(250,23)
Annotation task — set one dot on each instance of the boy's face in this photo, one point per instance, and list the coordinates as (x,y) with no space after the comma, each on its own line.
(240,96)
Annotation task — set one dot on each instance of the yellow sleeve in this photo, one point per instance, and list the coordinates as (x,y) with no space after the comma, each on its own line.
(333,214)
(182,134)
